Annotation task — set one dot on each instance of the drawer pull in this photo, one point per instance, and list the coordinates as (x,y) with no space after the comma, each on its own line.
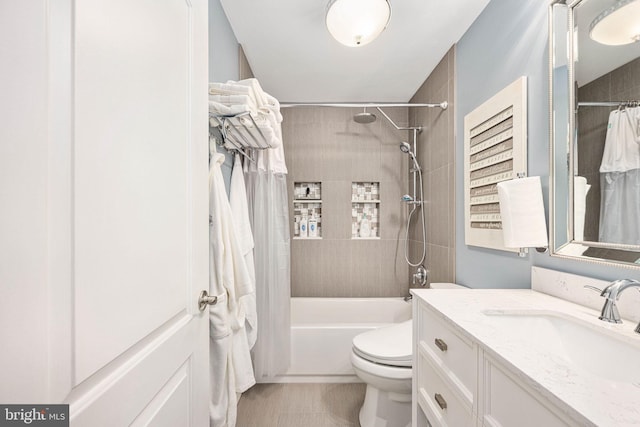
(441,402)
(441,344)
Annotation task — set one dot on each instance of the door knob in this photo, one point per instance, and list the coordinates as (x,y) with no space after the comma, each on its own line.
(206,300)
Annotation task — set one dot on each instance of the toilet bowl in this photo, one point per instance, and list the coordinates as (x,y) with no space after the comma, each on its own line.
(382,359)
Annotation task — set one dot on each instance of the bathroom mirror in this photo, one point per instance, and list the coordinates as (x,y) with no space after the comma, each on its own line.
(595,125)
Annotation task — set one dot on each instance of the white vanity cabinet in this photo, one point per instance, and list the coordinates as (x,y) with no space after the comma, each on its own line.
(445,371)
(505,401)
(457,383)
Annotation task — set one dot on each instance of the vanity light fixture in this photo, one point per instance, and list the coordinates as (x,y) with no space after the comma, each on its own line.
(618,25)
(355,23)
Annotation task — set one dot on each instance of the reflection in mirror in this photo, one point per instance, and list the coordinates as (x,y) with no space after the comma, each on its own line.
(595,175)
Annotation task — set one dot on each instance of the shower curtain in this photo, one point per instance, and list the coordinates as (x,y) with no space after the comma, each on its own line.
(620,179)
(268,210)
(266,180)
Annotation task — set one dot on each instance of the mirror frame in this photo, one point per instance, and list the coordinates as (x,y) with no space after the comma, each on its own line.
(571,249)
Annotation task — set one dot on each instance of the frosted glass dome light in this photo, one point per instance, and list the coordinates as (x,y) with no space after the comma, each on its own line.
(618,25)
(356,23)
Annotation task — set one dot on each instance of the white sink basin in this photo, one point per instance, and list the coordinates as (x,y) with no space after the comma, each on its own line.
(585,346)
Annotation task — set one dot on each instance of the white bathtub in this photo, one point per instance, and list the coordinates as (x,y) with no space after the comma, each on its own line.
(322,330)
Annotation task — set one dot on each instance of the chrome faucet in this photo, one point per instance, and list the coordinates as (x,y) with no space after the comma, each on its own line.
(611,294)
(420,276)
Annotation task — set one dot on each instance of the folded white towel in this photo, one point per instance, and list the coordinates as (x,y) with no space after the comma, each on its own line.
(230,100)
(228,89)
(265,112)
(227,110)
(257,93)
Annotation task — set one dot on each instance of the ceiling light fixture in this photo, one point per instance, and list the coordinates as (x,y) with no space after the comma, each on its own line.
(618,25)
(356,23)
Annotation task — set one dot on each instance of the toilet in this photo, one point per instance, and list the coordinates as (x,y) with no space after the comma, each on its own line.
(382,359)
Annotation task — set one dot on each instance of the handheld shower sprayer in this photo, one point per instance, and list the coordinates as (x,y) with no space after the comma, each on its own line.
(406,148)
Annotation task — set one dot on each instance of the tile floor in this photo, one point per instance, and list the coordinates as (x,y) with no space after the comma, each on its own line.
(301,405)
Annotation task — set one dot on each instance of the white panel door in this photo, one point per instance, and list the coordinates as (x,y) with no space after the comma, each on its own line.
(106,175)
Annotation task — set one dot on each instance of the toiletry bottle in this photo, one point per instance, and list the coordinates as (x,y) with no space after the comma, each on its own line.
(303,227)
(296,227)
(313,226)
(365,227)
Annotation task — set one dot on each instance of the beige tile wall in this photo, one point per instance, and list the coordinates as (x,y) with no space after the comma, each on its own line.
(435,153)
(244,68)
(326,145)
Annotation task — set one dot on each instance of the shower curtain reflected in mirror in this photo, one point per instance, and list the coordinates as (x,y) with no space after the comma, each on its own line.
(620,179)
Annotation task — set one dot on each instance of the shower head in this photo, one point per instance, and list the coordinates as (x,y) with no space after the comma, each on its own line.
(407,198)
(405,147)
(364,117)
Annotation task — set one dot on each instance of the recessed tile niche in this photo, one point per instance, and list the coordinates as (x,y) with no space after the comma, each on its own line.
(307,210)
(365,209)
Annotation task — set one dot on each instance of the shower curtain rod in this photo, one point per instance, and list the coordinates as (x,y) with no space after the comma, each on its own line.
(442,105)
(606,103)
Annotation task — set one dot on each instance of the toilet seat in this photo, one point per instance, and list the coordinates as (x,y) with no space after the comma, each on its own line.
(380,370)
(390,345)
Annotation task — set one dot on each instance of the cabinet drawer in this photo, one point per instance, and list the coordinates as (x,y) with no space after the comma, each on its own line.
(456,356)
(508,403)
(441,405)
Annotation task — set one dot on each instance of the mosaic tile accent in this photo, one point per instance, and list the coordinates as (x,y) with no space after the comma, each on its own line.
(365,204)
(361,191)
(307,191)
(304,192)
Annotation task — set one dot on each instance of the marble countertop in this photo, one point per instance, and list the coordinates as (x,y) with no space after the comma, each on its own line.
(582,395)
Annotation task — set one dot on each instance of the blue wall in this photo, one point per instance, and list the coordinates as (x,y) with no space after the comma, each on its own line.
(223,64)
(223,46)
(509,40)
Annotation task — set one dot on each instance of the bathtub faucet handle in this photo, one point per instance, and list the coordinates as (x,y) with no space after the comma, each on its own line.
(420,276)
